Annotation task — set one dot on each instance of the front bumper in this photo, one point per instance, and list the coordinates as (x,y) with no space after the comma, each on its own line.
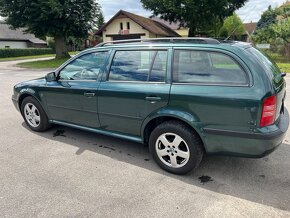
(248,144)
(15,102)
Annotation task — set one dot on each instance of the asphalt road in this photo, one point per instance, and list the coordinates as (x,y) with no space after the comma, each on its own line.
(70,173)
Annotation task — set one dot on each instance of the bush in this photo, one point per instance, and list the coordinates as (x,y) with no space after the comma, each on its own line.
(277,57)
(8,53)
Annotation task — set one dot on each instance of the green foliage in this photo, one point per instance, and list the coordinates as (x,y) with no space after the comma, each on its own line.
(43,64)
(51,43)
(233,26)
(55,18)
(268,18)
(276,30)
(265,32)
(198,15)
(101,20)
(51,17)
(7,53)
(282,29)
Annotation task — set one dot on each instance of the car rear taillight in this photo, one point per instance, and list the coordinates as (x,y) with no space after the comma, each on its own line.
(268,111)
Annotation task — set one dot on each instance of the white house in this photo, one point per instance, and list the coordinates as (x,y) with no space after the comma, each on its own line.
(126,25)
(10,38)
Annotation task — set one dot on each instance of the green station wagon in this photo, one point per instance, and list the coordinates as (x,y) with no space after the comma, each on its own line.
(183,97)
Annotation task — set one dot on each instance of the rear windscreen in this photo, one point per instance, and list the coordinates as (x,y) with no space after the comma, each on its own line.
(270,67)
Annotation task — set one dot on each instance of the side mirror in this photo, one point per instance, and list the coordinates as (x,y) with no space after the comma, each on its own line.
(50,77)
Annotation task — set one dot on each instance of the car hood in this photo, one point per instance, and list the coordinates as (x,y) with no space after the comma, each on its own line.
(35,82)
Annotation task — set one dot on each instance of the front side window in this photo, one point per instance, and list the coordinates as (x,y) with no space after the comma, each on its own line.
(86,67)
(207,67)
(140,66)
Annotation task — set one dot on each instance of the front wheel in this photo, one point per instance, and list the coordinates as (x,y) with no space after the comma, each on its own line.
(175,147)
(34,115)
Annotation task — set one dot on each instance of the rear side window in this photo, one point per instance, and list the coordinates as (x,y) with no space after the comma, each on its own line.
(207,68)
(140,66)
(269,66)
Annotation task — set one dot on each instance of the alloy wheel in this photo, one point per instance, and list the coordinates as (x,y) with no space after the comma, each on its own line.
(172,150)
(32,115)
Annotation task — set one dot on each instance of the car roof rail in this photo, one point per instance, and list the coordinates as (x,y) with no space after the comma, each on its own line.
(195,40)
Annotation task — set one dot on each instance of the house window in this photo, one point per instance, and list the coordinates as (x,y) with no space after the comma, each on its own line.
(128,25)
(121,26)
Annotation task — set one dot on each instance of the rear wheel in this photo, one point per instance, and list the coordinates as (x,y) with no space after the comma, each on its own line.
(175,147)
(34,115)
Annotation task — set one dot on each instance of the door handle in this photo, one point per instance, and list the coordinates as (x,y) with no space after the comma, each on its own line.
(89,94)
(153,99)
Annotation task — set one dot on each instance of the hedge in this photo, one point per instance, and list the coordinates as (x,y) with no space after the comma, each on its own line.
(8,53)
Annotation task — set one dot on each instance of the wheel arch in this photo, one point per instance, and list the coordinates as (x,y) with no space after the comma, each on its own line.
(153,121)
(25,94)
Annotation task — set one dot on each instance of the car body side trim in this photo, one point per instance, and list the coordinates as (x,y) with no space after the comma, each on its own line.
(72,109)
(248,135)
(99,131)
(119,115)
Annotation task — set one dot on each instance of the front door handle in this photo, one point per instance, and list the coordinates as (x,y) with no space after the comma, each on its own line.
(153,99)
(89,94)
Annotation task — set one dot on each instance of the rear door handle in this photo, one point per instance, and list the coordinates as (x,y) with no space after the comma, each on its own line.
(153,99)
(89,94)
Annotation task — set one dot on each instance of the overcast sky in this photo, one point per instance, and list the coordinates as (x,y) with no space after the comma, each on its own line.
(250,12)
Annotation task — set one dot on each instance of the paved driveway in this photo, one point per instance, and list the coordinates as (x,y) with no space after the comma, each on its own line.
(66,172)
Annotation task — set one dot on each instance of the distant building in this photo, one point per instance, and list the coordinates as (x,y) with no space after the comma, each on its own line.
(125,25)
(250,28)
(182,31)
(10,38)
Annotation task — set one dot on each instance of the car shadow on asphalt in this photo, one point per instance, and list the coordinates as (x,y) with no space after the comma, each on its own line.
(263,181)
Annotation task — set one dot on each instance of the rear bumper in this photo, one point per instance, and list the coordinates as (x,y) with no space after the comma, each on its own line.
(248,144)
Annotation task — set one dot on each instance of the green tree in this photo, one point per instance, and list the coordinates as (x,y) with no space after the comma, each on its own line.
(267,18)
(197,15)
(265,32)
(59,19)
(274,27)
(233,26)
(101,20)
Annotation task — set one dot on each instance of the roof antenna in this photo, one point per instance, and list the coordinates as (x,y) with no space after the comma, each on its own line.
(237,26)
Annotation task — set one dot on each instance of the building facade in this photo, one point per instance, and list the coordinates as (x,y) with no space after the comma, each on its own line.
(125,25)
(10,38)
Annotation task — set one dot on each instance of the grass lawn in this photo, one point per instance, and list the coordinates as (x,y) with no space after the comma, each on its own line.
(284,67)
(26,57)
(52,63)
(33,57)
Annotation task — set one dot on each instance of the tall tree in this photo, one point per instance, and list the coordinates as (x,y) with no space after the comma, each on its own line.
(275,28)
(59,19)
(233,26)
(194,14)
(101,20)
(268,17)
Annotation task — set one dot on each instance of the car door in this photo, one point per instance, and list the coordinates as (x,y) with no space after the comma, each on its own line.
(134,87)
(72,98)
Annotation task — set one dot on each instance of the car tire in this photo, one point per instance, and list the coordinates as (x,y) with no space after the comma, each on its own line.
(175,147)
(34,115)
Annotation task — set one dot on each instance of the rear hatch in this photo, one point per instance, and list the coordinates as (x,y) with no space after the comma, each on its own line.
(274,74)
